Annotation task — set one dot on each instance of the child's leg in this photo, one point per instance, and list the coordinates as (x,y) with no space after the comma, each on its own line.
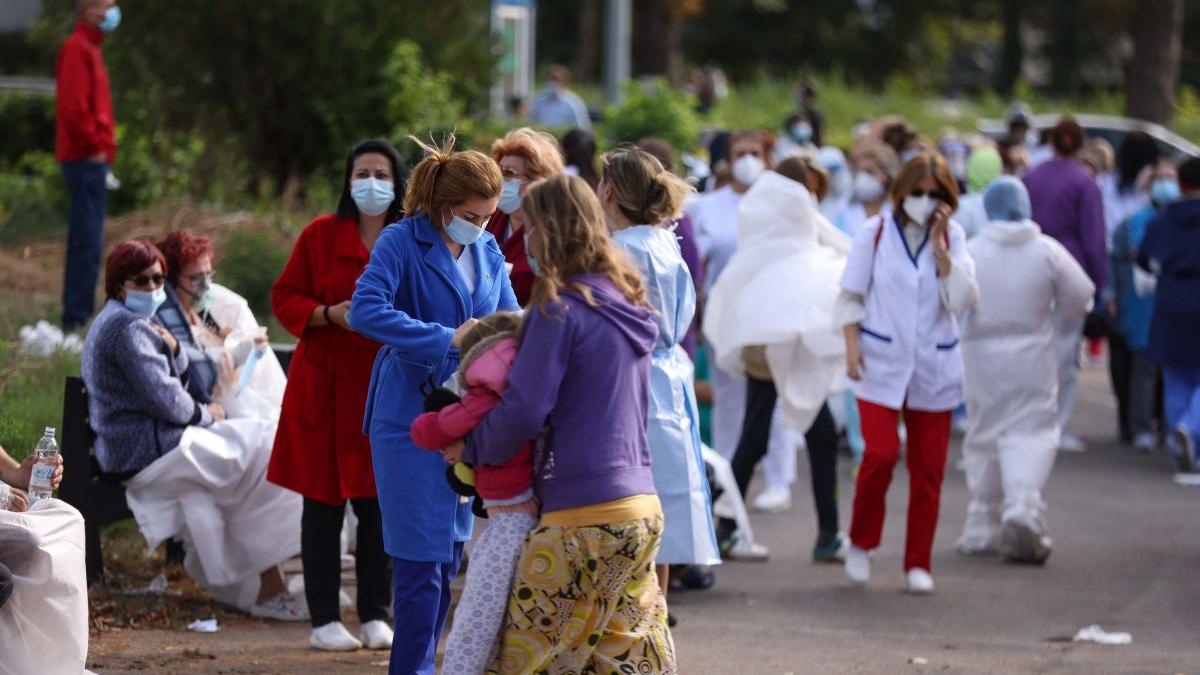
(475,634)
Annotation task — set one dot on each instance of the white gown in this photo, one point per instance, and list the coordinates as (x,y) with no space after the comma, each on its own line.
(1026,280)
(44,625)
(211,491)
(779,290)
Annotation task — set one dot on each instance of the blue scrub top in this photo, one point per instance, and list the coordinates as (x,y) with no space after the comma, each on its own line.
(410,298)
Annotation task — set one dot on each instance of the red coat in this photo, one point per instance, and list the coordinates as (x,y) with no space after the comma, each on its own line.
(513,248)
(83,109)
(320,450)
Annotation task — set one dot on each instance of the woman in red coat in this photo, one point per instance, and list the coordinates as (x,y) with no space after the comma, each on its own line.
(320,450)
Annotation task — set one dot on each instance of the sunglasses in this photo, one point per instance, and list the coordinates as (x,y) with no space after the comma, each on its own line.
(936,194)
(144,280)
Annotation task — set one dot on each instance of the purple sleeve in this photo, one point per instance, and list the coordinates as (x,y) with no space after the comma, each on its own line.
(1093,234)
(691,256)
(532,390)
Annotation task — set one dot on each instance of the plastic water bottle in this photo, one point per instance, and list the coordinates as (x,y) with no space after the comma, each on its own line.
(43,471)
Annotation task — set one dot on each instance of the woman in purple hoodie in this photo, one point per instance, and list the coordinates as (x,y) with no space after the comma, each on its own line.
(584,597)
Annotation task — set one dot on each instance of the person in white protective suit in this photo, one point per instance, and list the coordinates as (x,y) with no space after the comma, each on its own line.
(1025,279)
(789,257)
(714,215)
(640,200)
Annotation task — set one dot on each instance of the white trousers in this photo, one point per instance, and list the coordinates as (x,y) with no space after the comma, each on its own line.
(1068,334)
(729,408)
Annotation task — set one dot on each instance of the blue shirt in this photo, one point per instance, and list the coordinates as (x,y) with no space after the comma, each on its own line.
(560,108)
(410,298)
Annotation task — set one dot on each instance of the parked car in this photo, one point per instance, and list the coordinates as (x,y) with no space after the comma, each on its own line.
(1109,127)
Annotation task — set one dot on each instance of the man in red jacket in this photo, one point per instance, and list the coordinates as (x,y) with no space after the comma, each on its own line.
(85,147)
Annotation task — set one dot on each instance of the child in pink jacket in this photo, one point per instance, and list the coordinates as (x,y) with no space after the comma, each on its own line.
(488,351)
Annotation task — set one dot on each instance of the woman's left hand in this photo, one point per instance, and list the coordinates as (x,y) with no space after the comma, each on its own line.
(172,343)
(453,452)
(26,471)
(939,224)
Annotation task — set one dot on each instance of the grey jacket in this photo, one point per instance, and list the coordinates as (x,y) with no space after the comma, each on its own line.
(138,405)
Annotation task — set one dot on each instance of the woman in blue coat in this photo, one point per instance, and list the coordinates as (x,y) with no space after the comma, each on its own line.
(430,276)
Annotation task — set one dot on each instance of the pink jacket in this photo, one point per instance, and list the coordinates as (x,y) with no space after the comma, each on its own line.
(486,379)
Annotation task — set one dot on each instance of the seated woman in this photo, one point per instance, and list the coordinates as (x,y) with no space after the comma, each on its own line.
(217,330)
(190,473)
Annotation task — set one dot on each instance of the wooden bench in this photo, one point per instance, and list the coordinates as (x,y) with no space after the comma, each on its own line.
(99,497)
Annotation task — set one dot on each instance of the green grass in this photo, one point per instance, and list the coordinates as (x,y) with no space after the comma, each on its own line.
(31,396)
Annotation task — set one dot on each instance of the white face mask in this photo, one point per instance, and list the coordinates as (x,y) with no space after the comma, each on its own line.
(918,209)
(867,188)
(747,169)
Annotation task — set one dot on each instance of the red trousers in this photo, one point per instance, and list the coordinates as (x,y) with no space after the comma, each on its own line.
(928,439)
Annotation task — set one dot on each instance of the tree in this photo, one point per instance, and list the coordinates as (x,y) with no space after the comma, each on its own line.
(1152,75)
(1011,49)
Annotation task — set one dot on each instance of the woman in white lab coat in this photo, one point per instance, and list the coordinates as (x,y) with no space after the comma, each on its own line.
(1025,278)
(906,277)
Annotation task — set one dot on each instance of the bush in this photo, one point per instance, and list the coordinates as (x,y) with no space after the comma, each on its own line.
(653,109)
(33,197)
(28,120)
(250,263)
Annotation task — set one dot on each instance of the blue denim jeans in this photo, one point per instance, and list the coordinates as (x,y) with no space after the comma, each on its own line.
(85,239)
(1181,398)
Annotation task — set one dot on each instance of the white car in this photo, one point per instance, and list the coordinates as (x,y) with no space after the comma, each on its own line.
(1109,127)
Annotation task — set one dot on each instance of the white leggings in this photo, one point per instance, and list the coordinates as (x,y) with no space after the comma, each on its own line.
(479,617)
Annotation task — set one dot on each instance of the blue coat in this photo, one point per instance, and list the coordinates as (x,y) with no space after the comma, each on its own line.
(410,298)
(1171,250)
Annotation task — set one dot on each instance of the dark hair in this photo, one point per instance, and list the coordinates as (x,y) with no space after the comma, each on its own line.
(1067,137)
(127,259)
(661,150)
(1138,150)
(1189,174)
(346,208)
(180,248)
(579,150)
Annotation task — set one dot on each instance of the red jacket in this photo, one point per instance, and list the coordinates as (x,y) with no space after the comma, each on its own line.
(513,248)
(486,378)
(82,102)
(320,450)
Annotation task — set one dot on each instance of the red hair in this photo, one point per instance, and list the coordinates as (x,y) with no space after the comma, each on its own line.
(128,259)
(182,248)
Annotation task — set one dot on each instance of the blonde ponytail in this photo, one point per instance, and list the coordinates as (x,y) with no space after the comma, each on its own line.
(646,193)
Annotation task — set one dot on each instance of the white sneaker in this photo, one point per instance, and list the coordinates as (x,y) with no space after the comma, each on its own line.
(743,548)
(333,637)
(1144,442)
(282,607)
(774,499)
(858,565)
(1185,450)
(376,635)
(920,582)
(1071,443)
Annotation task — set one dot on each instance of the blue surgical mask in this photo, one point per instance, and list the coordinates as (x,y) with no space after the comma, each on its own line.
(463,232)
(533,263)
(1164,191)
(372,196)
(801,132)
(510,198)
(145,303)
(112,19)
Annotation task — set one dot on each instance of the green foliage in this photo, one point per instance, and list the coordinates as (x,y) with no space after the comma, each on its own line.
(250,263)
(28,122)
(421,101)
(653,109)
(152,163)
(33,198)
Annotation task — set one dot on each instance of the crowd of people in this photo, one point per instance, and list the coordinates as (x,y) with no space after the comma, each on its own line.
(553,340)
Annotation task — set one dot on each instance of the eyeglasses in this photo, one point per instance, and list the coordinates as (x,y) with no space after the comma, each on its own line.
(198,279)
(509,174)
(936,194)
(144,280)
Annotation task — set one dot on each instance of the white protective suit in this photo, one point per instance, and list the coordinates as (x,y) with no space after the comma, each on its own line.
(211,491)
(1026,280)
(44,625)
(779,290)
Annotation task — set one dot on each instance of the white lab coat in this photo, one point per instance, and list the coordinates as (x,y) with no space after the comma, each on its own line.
(910,339)
(44,625)
(779,290)
(1025,280)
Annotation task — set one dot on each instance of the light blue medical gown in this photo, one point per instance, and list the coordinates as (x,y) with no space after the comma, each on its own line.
(674,424)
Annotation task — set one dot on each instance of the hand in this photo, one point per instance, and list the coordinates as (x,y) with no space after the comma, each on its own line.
(26,471)
(337,315)
(172,343)
(98,158)
(17,501)
(939,222)
(461,331)
(855,364)
(217,412)
(227,375)
(453,452)
(261,340)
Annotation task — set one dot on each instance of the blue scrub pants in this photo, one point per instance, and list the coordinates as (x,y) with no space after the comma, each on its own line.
(88,195)
(1181,398)
(421,600)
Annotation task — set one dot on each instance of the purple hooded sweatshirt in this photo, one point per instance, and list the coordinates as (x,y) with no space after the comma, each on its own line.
(579,386)
(1068,207)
